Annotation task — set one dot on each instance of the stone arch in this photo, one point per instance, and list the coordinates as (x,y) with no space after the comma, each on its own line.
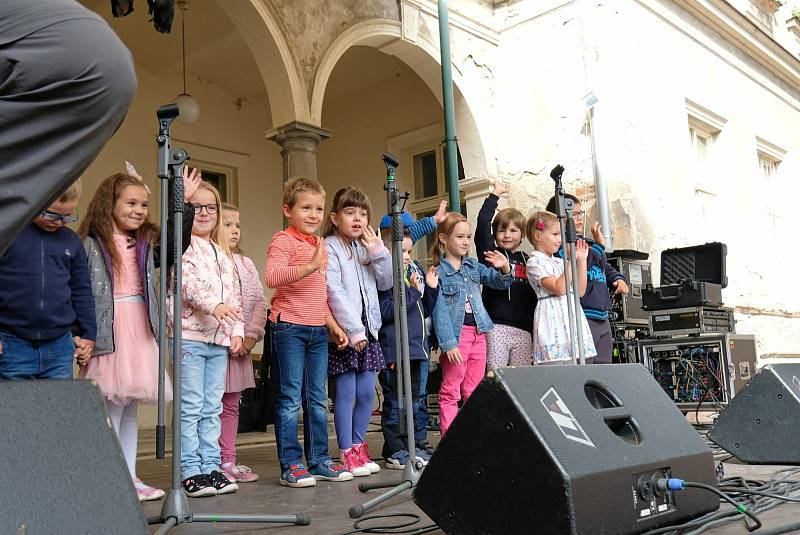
(423,58)
(285,87)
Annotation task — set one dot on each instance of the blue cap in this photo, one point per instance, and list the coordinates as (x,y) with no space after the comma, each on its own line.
(386,221)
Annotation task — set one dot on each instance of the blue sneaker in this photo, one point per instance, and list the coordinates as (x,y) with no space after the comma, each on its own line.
(330,471)
(297,476)
(397,460)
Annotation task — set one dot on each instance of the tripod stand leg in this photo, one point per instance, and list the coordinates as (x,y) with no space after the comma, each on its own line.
(299,519)
(358,510)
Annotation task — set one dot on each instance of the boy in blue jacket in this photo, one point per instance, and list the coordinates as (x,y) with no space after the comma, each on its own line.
(47,316)
(422,290)
(601,278)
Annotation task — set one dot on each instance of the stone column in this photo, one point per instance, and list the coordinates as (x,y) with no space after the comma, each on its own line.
(298,143)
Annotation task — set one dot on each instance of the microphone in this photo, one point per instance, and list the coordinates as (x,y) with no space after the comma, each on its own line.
(556,173)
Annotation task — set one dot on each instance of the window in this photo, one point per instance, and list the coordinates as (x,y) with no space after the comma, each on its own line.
(220,176)
(769,160)
(705,128)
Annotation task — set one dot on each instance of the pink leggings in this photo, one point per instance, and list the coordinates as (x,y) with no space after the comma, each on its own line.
(230,425)
(460,379)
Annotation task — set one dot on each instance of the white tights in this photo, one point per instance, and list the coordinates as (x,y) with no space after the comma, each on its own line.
(123,418)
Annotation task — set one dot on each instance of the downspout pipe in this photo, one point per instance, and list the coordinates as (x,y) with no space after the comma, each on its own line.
(450,139)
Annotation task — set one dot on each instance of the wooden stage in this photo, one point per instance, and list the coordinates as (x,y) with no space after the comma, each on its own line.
(328,503)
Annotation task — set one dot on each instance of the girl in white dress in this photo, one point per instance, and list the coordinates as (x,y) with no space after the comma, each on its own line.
(551,340)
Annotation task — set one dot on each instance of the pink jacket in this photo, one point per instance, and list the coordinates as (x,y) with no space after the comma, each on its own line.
(209,278)
(254,304)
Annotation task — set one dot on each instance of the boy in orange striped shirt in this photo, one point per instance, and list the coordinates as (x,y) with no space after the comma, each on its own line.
(301,320)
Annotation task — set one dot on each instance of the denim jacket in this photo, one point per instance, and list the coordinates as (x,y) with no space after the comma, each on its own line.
(458,286)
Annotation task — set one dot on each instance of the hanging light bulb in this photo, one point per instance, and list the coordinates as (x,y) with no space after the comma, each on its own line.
(188,107)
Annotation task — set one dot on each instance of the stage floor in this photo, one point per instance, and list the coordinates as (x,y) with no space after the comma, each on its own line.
(328,503)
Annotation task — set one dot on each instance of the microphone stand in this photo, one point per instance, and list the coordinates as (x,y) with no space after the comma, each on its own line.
(414,465)
(569,237)
(175,509)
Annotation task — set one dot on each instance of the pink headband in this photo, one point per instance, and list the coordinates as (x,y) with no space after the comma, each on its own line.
(540,225)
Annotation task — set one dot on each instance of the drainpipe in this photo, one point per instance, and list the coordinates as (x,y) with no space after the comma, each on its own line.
(451,158)
(590,74)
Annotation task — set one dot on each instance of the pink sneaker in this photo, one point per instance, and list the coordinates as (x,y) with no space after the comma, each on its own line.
(353,463)
(363,453)
(145,492)
(239,473)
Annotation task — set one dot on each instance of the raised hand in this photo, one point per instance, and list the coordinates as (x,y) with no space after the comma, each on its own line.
(597,233)
(369,238)
(497,260)
(415,280)
(441,212)
(191,181)
(316,260)
(432,277)
(581,250)
(500,187)
(620,287)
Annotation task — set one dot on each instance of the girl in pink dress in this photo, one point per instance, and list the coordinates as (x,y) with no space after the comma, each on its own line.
(121,244)
(240,366)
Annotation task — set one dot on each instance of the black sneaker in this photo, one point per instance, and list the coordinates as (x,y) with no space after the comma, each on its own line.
(198,486)
(221,483)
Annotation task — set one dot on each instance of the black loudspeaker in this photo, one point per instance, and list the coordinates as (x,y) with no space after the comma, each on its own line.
(64,468)
(566,449)
(762,422)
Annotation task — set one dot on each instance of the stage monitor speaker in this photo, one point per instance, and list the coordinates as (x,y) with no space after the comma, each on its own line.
(64,468)
(762,421)
(566,450)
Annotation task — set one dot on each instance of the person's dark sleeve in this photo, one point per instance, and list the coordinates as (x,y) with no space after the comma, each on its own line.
(421,228)
(80,284)
(186,235)
(612,275)
(386,299)
(484,239)
(429,300)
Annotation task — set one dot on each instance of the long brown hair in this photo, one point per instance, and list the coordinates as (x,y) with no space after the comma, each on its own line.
(99,220)
(446,227)
(228,207)
(349,197)
(217,233)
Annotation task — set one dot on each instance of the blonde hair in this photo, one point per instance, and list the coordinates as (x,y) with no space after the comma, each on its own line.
(446,227)
(217,233)
(226,206)
(299,185)
(72,193)
(539,219)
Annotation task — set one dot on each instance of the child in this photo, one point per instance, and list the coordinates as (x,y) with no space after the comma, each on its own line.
(299,316)
(421,289)
(359,266)
(596,302)
(45,293)
(551,340)
(511,310)
(459,319)
(121,244)
(212,326)
(240,367)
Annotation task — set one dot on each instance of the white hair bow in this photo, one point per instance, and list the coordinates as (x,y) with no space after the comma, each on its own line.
(131,170)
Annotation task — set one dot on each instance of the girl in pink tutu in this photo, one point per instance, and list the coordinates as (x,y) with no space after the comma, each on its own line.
(240,366)
(121,244)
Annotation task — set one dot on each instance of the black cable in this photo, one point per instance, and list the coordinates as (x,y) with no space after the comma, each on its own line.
(398,528)
(786,528)
(724,496)
(759,493)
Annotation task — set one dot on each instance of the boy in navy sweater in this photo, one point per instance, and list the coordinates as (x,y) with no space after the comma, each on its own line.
(422,290)
(601,278)
(47,314)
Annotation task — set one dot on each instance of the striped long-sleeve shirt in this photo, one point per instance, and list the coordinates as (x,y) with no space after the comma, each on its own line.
(302,301)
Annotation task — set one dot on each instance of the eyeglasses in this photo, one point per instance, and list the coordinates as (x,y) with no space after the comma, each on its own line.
(579,214)
(52,216)
(211,209)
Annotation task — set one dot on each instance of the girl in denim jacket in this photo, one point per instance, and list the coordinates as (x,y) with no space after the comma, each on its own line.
(359,266)
(459,319)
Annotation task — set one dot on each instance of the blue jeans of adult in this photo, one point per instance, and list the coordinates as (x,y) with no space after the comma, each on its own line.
(203,368)
(21,358)
(300,354)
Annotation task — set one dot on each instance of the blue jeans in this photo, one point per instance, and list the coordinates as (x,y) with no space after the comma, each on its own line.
(300,353)
(421,412)
(394,429)
(203,368)
(21,358)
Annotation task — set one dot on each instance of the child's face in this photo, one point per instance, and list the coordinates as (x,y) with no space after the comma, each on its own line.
(407,248)
(131,208)
(65,209)
(204,222)
(548,240)
(457,244)
(508,238)
(351,221)
(577,215)
(307,213)
(230,223)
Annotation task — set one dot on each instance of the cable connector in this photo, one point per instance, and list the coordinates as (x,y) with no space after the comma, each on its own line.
(672,483)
